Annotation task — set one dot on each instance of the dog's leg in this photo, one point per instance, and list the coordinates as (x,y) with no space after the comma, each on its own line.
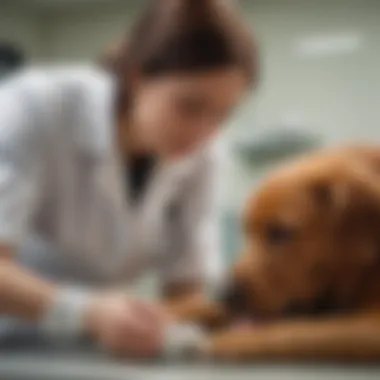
(197,309)
(355,338)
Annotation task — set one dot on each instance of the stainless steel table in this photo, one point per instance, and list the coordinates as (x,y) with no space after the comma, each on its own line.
(41,362)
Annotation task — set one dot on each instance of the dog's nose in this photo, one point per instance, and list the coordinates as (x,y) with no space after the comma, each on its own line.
(234,298)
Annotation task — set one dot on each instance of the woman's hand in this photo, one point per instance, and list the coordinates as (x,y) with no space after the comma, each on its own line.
(126,327)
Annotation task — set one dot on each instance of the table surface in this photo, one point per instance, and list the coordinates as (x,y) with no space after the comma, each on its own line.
(36,362)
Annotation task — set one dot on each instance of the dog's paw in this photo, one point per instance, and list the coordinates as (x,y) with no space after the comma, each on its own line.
(235,345)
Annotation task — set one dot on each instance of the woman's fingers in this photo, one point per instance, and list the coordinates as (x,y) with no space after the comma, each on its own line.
(126,327)
(141,329)
(151,314)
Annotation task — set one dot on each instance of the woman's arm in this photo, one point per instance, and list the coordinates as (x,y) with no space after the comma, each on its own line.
(120,324)
(24,101)
(22,163)
(124,326)
(22,294)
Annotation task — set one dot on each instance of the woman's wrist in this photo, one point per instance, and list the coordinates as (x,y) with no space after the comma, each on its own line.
(92,315)
(65,318)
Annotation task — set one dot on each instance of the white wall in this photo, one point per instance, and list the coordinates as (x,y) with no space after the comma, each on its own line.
(78,35)
(337,93)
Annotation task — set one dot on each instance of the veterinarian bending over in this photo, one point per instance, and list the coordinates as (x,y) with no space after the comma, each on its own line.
(106,175)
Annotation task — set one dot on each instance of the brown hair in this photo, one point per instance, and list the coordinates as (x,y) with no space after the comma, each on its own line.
(180,36)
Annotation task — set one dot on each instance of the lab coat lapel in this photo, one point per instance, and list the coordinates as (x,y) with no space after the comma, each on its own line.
(162,193)
(110,179)
(106,216)
(146,224)
(165,185)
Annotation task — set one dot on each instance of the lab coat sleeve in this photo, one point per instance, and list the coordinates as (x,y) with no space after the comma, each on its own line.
(196,251)
(19,164)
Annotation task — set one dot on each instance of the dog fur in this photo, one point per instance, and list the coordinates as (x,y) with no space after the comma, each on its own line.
(309,274)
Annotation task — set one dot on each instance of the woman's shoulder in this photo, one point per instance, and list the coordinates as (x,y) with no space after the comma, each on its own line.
(87,78)
(51,94)
(40,79)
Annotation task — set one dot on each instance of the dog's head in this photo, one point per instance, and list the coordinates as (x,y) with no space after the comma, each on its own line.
(311,239)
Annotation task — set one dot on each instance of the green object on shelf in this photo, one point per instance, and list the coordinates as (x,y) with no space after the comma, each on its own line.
(276,145)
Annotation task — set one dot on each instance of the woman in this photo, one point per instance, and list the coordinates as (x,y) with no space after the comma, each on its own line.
(107,175)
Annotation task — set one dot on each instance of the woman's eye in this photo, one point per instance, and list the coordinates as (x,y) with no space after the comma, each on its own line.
(278,234)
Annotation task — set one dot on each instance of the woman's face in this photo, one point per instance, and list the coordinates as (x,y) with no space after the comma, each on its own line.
(176,115)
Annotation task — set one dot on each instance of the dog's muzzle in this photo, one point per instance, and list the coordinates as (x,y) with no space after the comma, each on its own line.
(234,298)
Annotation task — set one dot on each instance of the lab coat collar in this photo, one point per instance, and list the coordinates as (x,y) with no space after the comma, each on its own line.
(166,176)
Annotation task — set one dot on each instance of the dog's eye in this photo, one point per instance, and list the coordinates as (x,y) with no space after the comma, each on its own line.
(279,234)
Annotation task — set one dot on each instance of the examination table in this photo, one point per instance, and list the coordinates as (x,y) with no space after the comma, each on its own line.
(25,358)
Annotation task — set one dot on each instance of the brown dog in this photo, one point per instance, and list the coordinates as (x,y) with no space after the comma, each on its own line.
(310,272)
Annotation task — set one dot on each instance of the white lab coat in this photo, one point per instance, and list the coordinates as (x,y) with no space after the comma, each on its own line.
(62,189)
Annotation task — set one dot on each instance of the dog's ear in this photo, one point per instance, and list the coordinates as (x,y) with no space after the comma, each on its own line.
(363,188)
(331,194)
(352,191)
(350,200)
